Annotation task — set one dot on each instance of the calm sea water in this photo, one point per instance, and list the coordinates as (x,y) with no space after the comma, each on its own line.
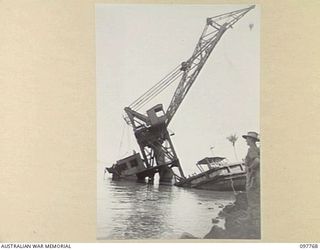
(131,210)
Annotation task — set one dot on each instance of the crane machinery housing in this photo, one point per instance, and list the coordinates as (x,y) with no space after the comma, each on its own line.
(151,128)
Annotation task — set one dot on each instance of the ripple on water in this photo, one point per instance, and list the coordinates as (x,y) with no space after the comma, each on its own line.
(131,210)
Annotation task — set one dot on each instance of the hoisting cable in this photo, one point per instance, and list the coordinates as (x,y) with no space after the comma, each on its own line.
(165,82)
(157,90)
(176,72)
(121,140)
(209,44)
(128,148)
(154,87)
(150,97)
(128,138)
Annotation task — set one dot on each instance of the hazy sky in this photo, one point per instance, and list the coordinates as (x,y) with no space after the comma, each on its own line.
(137,45)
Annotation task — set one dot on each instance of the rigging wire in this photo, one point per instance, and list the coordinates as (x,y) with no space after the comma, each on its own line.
(155,86)
(149,98)
(169,78)
(128,138)
(121,139)
(157,90)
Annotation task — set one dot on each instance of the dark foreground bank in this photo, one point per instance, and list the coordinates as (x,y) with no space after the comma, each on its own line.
(241,221)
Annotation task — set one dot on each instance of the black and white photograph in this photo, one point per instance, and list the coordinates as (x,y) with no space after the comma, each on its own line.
(178,121)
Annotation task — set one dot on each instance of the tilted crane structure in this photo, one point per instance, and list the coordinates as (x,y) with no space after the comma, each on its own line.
(151,128)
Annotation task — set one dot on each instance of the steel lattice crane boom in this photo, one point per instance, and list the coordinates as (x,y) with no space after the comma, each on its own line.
(151,128)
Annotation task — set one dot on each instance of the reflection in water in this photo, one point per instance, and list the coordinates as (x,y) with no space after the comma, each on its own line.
(131,210)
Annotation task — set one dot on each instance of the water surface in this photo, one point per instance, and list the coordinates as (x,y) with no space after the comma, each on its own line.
(132,210)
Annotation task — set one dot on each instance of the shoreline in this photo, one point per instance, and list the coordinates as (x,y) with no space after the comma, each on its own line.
(238,222)
(242,221)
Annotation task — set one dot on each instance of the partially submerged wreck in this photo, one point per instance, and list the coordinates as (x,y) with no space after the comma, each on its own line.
(129,167)
(133,167)
(220,176)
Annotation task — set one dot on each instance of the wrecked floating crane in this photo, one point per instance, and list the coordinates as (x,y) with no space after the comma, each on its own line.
(151,128)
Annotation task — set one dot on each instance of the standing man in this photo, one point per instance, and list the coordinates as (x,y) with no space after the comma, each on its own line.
(252,162)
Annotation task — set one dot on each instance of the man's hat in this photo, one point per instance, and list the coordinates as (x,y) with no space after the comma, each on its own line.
(253,135)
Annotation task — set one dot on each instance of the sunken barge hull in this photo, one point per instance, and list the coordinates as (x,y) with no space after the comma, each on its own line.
(130,167)
(133,168)
(231,177)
